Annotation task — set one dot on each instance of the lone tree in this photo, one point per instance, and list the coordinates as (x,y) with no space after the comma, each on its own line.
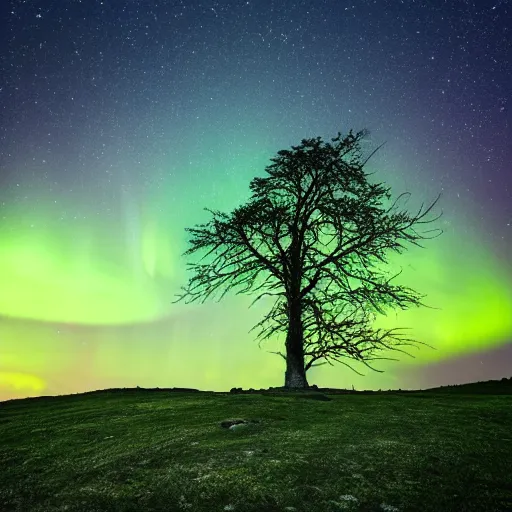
(312,235)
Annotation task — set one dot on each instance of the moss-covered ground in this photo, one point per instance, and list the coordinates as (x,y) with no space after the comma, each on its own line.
(167,451)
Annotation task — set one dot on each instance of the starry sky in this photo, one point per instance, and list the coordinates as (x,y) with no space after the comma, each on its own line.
(121,120)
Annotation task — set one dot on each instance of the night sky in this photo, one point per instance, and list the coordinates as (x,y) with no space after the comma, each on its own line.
(121,120)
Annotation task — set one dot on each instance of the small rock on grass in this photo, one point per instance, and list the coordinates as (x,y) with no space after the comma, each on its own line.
(233,422)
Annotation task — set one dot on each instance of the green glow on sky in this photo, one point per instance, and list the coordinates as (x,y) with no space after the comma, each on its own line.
(86,304)
(156,252)
(473,294)
(21,381)
(40,282)
(79,272)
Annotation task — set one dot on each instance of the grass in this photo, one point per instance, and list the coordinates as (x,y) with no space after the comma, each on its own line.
(139,450)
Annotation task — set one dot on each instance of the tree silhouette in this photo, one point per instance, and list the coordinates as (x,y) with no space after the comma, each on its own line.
(312,236)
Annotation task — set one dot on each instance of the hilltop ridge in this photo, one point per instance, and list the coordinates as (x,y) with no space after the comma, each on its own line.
(493,387)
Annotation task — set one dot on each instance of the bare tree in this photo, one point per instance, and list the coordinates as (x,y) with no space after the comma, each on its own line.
(312,236)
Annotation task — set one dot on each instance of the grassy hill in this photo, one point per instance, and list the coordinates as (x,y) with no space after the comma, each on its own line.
(172,450)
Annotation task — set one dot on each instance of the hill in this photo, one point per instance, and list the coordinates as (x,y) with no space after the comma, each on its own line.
(154,450)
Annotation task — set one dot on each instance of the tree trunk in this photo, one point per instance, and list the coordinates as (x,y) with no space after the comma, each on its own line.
(295,376)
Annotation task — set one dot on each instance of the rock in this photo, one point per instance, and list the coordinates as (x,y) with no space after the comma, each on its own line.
(231,422)
(238,426)
(236,422)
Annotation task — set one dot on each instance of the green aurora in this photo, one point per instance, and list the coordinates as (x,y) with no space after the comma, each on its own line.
(89,303)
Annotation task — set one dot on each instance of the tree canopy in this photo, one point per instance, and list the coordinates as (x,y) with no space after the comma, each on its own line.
(314,236)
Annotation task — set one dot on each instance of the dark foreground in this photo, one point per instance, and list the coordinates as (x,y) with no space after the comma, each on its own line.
(142,450)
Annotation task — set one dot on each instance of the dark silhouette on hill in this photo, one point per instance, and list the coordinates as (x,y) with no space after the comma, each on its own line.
(313,236)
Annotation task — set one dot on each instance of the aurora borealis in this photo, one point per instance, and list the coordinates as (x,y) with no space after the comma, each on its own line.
(121,121)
